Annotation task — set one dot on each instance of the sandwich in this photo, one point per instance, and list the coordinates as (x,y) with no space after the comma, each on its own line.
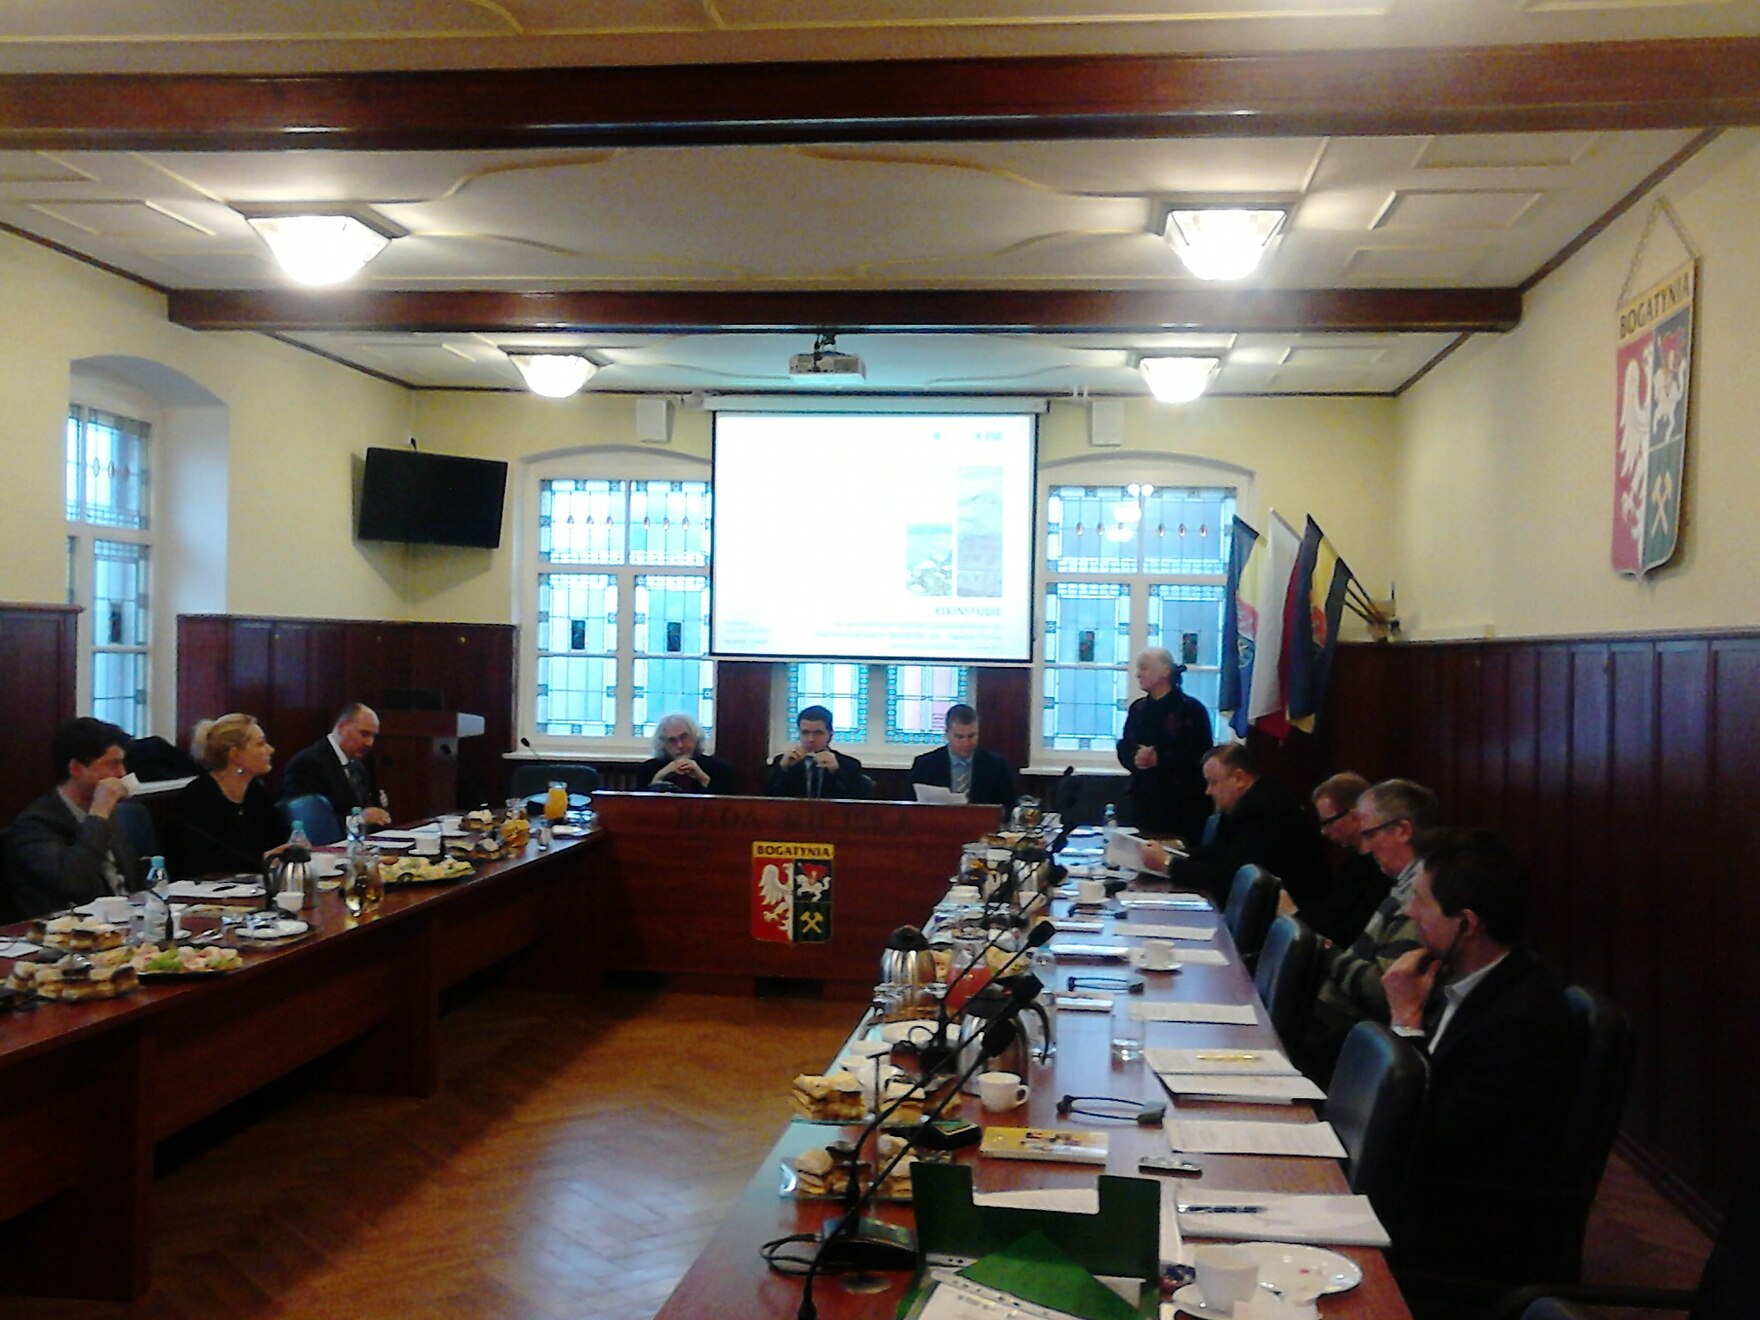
(835,1097)
(69,980)
(80,933)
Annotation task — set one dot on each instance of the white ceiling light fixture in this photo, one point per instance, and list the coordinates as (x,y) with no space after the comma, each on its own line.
(1179,379)
(1223,242)
(554,375)
(317,245)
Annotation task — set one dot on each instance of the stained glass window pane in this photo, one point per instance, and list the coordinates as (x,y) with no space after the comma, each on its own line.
(1091,529)
(115,467)
(1083,708)
(577,696)
(119,689)
(1186,531)
(665,685)
(1087,623)
(917,698)
(577,612)
(840,688)
(119,594)
(669,523)
(581,520)
(671,620)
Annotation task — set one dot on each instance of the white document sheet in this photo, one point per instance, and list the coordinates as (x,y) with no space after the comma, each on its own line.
(1176,902)
(1278,1089)
(936,794)
(1218,1060)
(1168,932)
(1347,1221)
(1197,957)
(200,890)
(1196,1136)
(1240,1015)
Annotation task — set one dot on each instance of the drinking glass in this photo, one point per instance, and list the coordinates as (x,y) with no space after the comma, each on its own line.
(1127,1031)
(556,801)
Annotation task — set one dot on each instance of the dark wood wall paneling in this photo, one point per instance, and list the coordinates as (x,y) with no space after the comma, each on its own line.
(39,654)
(292,674)
(1626,771)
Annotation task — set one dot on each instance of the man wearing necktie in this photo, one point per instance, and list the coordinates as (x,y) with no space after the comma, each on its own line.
(964,767)
(810,769)
(337,767)
(69,846)
(1504,1055)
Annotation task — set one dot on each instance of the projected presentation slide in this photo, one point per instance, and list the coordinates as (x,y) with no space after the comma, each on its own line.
(873,537)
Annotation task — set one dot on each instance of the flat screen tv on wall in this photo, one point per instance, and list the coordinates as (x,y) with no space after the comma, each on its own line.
(431,499)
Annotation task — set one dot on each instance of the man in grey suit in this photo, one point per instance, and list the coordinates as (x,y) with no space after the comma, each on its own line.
(69,846)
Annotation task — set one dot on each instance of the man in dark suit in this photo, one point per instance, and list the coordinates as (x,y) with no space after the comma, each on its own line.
(69,846)
(810,769)
(964,767)
(1263,823)
(1504,1056)
(336,767)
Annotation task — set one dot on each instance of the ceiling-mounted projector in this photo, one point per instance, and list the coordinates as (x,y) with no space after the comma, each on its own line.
(826,368)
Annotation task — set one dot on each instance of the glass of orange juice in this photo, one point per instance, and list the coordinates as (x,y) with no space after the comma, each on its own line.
(556,801)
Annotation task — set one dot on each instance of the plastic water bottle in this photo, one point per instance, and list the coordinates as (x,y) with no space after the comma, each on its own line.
(357,828)
(299,845)
(1111,816)
(156,923)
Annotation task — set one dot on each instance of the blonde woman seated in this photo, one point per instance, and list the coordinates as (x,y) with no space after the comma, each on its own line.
(224,820)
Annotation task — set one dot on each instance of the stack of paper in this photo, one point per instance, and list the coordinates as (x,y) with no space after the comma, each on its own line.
(1242,1015)
(1193,1136)
(1217,1060)
(1172,932)
(1330,1220)
(1195,957)
(1278,1089)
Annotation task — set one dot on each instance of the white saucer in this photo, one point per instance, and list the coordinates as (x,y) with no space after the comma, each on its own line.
(1136,960)
(1283,1263)
(1191,1302)
(286,928)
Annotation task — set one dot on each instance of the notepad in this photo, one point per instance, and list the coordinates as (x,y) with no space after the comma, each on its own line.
(1201,957)
(1348,1221)
(1275,1089)
(1219,1060)
(1242,1015)
(1196,1136)
(1172,932)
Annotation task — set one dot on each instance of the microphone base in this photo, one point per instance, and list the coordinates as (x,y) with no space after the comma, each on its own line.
(873,1245)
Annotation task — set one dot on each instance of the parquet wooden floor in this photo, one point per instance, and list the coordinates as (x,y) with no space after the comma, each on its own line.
(575,1160)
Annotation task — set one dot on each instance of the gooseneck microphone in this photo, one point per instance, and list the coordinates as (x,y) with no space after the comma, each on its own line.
(997,1037)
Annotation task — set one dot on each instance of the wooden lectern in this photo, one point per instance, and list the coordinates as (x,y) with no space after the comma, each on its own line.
(417,755)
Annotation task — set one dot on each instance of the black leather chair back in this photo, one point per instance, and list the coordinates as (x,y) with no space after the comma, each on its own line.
(1593,1121)
(316,816)
(1372,1103)
(1252,903)
(1284,977)
(536,777)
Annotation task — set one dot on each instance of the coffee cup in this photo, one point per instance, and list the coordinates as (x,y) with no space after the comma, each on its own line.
(1227,1276)
(113,908)
(1158,956)
(1001,1090)
(289,901)
(964,894)
(1090,891)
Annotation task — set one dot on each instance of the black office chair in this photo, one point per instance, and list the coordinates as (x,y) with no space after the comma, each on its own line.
(1284,977)
(315,814)
(534,779)
(1726,1291)
(1593,1122)
(1373,1101)
(1252,903)
(136,823)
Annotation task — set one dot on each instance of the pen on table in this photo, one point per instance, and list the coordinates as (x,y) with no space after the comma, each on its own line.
(1222,1209)
(1241,1057)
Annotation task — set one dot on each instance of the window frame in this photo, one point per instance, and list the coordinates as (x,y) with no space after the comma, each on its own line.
(88,395)
(876,749)
(1160,470)
(612,463)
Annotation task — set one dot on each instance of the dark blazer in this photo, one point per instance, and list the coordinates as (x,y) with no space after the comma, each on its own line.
(722,775)
(211,833)
(791,781)
(1350,899)
(1485,1161)
(1270,827)
(54,861)
(315,770)
(992,781)
(1169,797)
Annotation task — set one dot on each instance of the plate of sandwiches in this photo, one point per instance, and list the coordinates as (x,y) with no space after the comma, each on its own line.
(75,978)
(818,1175)
(424,870)
(184,962)
(81,934)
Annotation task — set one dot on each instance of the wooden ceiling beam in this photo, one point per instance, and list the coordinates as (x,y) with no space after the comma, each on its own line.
(1526,88)
(919,311)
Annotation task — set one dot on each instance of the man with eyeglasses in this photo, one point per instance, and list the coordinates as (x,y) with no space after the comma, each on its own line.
(1388,816)
(1359,884)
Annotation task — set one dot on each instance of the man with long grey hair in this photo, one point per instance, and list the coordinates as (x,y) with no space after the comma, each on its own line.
(681,764)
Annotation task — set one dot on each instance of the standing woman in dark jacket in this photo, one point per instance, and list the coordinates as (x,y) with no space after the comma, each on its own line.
(224,820)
